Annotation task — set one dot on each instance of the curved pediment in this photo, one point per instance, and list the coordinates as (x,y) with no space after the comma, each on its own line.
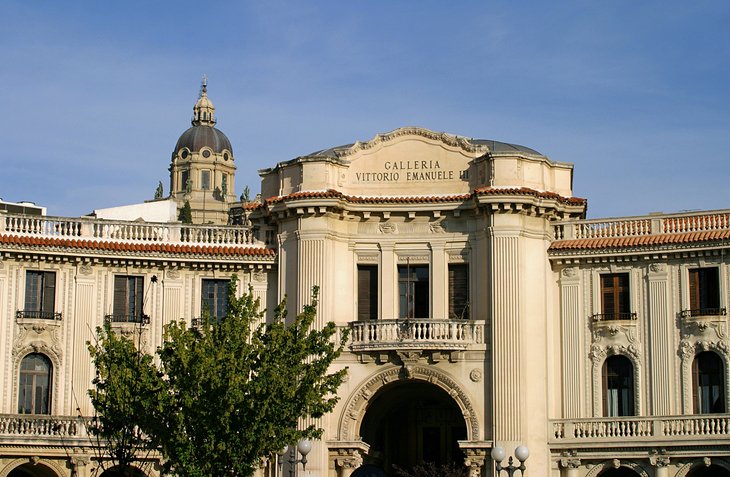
(447,139)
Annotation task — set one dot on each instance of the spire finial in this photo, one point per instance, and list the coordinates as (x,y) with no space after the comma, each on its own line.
(204,86)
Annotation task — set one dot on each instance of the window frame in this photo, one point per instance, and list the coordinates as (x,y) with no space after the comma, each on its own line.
(699,404)
(368,303)
(33,375)
(412,287)
(624,402)
(39,300)
(128,304)
(220,285)
(620,305)
(458,303)
(704,290)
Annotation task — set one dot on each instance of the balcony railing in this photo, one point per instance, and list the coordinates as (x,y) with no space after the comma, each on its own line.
(141,319)
(40,426)
(641,226)
(622,429)
(420,333)
(86,228)
(38,315)
(614,316)
(703,312)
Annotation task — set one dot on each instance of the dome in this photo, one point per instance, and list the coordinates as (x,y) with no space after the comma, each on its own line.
(200,136)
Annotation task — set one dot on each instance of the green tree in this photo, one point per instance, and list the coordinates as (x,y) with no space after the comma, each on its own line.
(224,394)
(186,213)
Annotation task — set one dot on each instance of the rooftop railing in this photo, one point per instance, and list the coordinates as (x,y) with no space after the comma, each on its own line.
(654,224)
(87,228)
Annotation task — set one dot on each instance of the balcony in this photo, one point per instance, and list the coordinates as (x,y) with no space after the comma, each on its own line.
(140,319)
(61,430)
(38,315)
(415,334)
(625,430)
(599,317)
(703,312)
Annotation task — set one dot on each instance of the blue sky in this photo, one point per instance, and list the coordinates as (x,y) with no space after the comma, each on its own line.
(635,94)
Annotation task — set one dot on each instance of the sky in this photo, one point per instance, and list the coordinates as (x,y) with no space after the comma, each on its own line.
(635,94)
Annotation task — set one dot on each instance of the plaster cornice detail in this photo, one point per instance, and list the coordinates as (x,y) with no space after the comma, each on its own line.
(460,142)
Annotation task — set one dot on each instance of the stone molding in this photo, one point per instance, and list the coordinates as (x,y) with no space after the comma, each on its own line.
(686,468)
(357,403)
(53,465)
(616,464)
(447,139)
(598,355)
(687,352)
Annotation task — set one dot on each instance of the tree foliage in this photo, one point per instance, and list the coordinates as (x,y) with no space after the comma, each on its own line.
(224,394)
(186,213)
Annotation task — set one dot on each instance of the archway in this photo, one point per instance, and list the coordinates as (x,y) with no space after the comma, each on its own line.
(709,471)
(620,472)
(410,422)
(32,470)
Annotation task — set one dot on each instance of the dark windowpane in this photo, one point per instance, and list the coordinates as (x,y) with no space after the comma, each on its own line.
(618,387)
(615,296)
(215,297)
(708,379)
(40,291)
(414,291)
(367,292)
(34,385)
(128,298)
(459,291)
(704,290)
(205,180)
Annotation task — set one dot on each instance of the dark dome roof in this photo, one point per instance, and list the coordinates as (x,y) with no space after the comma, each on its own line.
(200,136)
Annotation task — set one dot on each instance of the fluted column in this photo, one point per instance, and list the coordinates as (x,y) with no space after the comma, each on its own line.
(84,321)
(312,265)
(661,346)
(388,287)
(571,331)
(506,348)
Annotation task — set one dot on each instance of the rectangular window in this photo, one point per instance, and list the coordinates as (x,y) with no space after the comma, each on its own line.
(414,291)
(458,291)
(367,292)
(214,298)
(615,304)
(184,181)
(205,180)
(704,291)
(128,299)
(40,295)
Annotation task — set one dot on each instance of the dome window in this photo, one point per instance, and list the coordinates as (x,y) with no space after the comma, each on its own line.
(206,153)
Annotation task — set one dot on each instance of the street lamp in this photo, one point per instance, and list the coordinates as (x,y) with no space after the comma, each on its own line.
(303,446)
(498,454)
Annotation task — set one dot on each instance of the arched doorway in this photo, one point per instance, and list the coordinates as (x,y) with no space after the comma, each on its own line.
(709,471)
(32,470)
(408,423)
(620,472)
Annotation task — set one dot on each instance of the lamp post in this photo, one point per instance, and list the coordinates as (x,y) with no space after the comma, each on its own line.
(303,447)
(498,454)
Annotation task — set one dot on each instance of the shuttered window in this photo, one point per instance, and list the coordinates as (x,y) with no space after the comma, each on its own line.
(214,298)
(458,291)
(128,298)
(704,291)
(367,292)
(40,294)
(615,297)
(708,383)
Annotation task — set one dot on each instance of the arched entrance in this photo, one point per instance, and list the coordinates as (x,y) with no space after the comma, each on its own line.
(620,472)
(709,471)
(410,422)
(32,470)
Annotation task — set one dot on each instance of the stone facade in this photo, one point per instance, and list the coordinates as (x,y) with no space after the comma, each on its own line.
(476,295)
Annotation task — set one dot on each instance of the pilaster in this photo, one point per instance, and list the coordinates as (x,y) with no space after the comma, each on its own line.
(573,358)
(660,332)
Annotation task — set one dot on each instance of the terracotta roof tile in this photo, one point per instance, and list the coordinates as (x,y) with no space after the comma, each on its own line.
(639,241)
(159,247)
(334,194)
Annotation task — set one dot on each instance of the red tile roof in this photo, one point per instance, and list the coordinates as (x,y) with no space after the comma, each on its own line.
(640,241)
(173,248)
(334,194)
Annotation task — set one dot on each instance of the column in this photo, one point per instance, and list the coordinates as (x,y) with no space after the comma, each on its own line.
(661,463)
(388,285)
(571,329)
(661,348)
(439,283)
(569,466)
(506,347)
(475,460)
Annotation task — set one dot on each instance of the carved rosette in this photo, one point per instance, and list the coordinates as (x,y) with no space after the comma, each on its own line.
(387,228)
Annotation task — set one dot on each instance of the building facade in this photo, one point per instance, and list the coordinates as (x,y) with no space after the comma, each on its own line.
(484,309)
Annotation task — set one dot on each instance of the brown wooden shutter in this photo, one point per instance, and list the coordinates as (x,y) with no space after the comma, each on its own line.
(120,295)
(694,289)
(696,386)
(367,292)
(608,305)
(604,382)
(138,297)
(458,291)
(49,292)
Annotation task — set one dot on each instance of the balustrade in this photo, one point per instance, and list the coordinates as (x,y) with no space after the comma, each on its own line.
(19,425)
(415,333)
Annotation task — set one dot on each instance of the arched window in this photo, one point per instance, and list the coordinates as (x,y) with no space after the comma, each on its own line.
(708,382)
(618,386)
(34,390)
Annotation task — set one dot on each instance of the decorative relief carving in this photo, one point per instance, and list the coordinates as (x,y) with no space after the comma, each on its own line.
(437,227)
(173,274)
(259,275)
(570,272)
(569,460)
(616,463)
(475,375)
(414,259)
(657,267)
(448,139)
(85,269)
(387,228)
(355,407)
(367,258)
(474,459)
